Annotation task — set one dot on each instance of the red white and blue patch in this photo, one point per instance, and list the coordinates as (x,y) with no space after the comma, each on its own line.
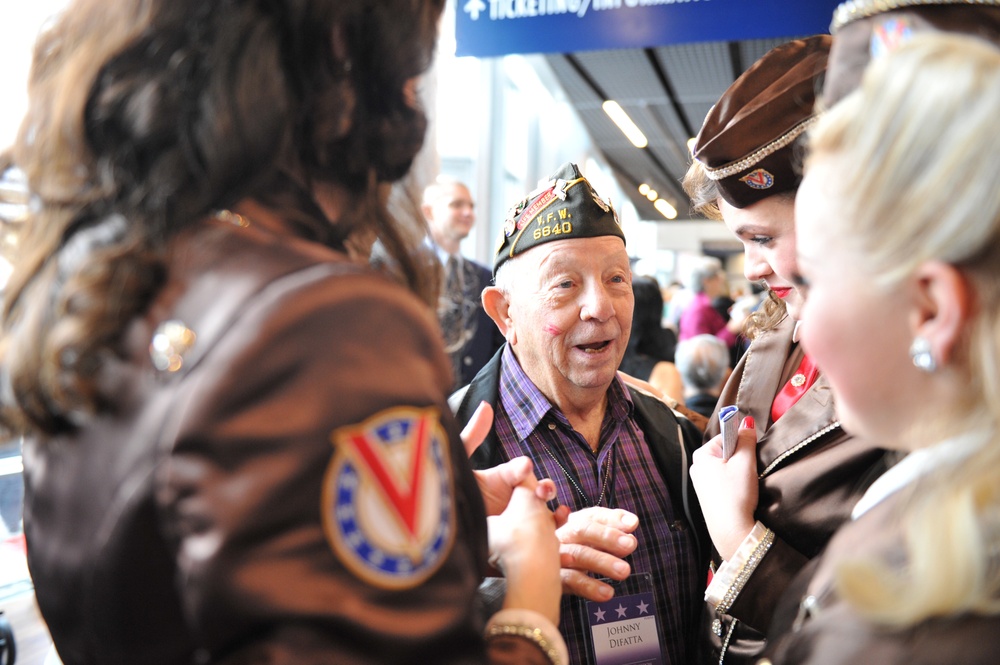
(535,208)
(388,504)
(758,179)
(889,35)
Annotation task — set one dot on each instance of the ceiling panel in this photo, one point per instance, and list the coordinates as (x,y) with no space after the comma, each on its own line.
(667,91)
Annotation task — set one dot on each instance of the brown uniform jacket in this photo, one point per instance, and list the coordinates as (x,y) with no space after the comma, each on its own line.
(811,474)
(232,511)
(824,630)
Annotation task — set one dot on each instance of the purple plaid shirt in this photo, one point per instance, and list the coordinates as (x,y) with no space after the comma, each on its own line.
(528,424)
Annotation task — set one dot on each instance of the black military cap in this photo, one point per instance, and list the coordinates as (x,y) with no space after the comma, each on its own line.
(565,206)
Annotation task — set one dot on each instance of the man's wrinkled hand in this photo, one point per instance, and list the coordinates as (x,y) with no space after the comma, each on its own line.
(595,540)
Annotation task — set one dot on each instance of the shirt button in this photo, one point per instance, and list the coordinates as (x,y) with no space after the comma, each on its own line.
(552,426)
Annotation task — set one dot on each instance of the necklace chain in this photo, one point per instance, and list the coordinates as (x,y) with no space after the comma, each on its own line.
(572,480)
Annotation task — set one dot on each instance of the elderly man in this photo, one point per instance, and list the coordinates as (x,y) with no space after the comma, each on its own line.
(469,336)
(563,301)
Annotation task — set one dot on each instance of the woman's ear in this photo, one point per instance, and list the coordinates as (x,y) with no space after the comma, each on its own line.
(498,308)
(944,304)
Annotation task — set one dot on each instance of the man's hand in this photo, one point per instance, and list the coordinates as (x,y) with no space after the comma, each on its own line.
(595,540)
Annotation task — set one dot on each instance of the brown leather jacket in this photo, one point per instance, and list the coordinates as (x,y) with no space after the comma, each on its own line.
(296,492)
(825,630)
(811,472)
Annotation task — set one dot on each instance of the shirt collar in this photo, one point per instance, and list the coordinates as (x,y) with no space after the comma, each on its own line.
(441,254)
(527,406)
(918,464)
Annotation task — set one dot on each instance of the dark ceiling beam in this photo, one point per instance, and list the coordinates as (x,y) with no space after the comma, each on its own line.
(736,59)
(668,88)
(599,91)
(585,75)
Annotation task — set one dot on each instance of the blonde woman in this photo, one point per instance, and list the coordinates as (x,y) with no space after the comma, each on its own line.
(899,223)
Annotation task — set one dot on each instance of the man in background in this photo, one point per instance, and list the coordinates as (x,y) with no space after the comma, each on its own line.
(470,337)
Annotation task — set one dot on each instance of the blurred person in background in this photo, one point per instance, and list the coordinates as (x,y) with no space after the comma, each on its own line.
(703,364)
(649,355)
(470,338)
(707,281)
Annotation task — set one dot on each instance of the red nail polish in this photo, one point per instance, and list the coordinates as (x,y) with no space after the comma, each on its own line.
(748,423)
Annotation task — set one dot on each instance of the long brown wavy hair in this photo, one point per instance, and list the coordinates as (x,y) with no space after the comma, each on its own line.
(147,116)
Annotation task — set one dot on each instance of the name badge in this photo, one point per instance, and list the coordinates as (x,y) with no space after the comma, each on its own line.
(623,630)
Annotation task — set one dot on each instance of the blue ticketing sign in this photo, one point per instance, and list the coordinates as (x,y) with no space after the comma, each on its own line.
(499,27)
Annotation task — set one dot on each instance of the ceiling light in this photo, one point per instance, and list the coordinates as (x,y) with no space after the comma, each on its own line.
(643,188)
(620,118)
(651,195)
(665,209)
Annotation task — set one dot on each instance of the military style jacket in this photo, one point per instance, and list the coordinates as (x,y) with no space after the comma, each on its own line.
(280,479)
(814,626)
(811,473)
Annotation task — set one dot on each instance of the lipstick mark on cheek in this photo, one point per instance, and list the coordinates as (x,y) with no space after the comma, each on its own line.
(552,330)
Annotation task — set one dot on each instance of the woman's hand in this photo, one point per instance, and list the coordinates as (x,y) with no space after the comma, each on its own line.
(523,545)
(498,483)
(727,490)
(479,425)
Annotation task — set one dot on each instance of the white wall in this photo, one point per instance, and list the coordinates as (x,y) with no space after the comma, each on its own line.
(20,21)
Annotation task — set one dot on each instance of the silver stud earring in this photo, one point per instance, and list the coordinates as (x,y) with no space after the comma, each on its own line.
(920,353)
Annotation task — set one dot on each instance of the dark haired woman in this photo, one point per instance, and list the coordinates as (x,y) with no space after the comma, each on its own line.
(237,444)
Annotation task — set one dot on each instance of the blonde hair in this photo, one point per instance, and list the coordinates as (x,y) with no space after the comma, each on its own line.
(703,191)
(918,143)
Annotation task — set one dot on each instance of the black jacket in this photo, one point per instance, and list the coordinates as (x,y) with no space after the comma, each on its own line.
(671,437)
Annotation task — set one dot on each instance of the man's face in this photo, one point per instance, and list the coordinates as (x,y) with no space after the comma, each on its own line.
(452,214)
(570,313)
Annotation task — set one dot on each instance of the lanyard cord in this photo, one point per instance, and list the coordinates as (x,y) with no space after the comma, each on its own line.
(572,479)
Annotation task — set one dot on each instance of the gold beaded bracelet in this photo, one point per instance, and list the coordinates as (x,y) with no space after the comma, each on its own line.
(529,633)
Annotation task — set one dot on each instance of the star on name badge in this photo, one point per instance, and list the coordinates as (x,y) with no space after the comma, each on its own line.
(623,630)
(388,507)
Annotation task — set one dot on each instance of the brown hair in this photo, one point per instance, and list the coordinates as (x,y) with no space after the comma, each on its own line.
(144,119)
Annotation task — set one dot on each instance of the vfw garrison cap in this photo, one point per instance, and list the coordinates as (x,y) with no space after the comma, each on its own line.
(747,142)
(865,29)
(562,207)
